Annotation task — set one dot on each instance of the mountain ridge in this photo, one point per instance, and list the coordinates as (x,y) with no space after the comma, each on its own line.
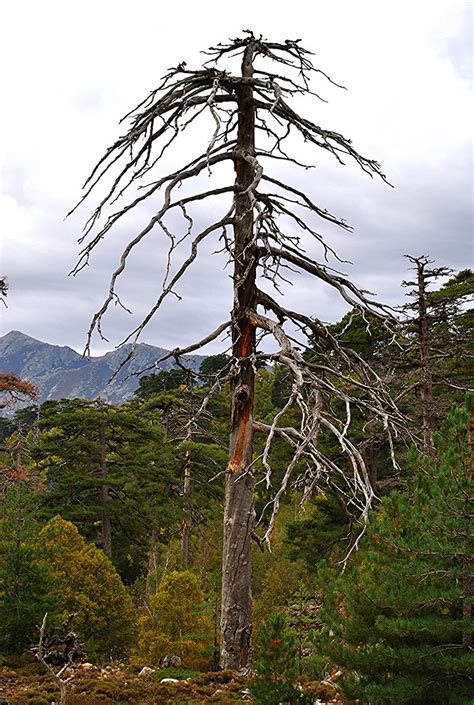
(60,372)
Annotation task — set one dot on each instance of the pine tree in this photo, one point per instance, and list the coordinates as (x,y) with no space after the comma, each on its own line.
(110,470)
(439,338)
(400,617)
(215,365)
(25,580)
(163,381)
(199,444)
(277,668)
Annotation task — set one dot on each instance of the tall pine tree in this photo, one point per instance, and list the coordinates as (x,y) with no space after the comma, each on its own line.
(399,619)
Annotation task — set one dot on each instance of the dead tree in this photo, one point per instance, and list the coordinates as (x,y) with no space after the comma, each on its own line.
(264,225)
(422,321)
(59,652)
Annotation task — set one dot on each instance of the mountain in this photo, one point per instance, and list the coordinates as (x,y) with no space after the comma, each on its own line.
(61,373)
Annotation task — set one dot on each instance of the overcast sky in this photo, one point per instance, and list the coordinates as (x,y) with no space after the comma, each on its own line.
(70,70)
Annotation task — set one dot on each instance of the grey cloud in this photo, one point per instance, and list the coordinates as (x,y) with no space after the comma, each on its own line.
(420,216)
(429,211)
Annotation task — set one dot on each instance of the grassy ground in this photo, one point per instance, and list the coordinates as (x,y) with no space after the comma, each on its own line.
(32,685)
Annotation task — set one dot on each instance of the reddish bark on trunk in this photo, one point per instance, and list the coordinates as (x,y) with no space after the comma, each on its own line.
(236,616)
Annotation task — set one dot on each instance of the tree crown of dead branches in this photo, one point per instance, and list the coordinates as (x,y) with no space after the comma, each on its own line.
(284,217)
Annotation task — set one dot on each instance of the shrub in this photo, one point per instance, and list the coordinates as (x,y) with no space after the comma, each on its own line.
(87,585)
(177,622)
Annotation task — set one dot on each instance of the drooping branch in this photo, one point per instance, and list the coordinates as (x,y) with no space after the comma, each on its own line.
(311,390)
(177,353)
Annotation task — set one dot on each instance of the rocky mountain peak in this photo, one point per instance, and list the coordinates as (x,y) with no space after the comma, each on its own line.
(60,372)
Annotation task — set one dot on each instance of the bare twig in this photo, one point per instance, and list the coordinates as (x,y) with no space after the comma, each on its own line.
(69,657)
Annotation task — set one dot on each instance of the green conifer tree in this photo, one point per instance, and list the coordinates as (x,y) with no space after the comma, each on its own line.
(277,667)
(399,619)
(110,470)
(25,580)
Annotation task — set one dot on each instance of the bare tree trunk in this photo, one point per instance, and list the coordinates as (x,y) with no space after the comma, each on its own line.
(426,375)
(236,611)
(152,573)
(426,382)
(186,525)
(428,313)
(106,524)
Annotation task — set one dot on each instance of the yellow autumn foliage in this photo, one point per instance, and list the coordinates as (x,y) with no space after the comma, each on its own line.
(176,622)
(86,584)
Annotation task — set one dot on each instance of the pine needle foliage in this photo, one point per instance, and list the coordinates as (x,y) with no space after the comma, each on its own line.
(25,580)
(399,619)
(277,667)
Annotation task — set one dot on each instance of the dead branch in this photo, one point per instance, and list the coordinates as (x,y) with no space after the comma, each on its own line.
(60,649)
(263,231)
(3,290)
(14,389)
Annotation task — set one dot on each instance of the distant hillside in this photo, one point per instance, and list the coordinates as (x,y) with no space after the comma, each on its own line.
(61,373)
